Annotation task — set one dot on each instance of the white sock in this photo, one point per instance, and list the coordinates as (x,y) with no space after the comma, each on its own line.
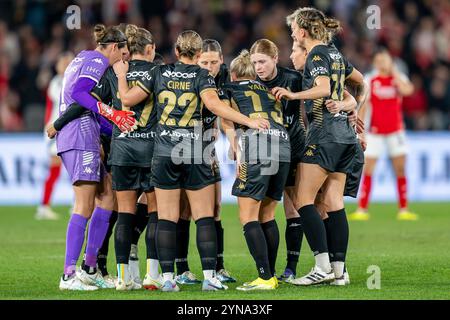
(168,276)
(152,268)
(122,272)
(338,268)
(208,274)
(323,262)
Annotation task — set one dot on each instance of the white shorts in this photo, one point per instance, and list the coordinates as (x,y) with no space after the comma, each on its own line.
(394,142)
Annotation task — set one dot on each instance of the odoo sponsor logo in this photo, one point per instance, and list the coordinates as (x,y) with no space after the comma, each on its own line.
(184,75)
(138,74)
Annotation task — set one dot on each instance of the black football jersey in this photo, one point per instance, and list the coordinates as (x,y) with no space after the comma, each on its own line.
(291,80)
(177,88)
(323,126)
(253,99)
(134,148)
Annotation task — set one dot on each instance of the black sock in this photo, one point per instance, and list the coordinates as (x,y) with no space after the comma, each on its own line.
(207,242)
(257,245)
(166,244)
(339,234)
(150,236)
(103,251)
(122,236)
(219,233)
(329,242)
(293,237)
(182,245)
(314,229)
(272,235)
(141,222)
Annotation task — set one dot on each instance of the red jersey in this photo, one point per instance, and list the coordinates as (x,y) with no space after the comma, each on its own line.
(386,101)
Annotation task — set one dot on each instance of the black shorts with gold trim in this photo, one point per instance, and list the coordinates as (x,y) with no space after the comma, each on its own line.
(261,179)
(333,157)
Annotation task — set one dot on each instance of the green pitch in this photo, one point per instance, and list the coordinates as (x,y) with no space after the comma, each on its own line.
(413,258)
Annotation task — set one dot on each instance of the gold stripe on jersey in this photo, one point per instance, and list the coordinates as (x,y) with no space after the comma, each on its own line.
(138,83)
(318,112)
(96,96)
(207,89)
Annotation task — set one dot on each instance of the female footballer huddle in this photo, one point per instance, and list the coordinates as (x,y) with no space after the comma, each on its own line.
(137,139)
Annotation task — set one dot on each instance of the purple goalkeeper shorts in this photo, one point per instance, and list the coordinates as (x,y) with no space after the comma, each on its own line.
(83,165)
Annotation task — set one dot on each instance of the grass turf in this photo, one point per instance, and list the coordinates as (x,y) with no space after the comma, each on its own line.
(412,256)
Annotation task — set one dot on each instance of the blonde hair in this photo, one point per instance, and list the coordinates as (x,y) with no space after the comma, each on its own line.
(188,44)
(138,38)
(265,46)
(319,26)
(242,66)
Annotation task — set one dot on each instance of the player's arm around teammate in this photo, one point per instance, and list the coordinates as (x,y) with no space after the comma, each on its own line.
(264,56)
(261,177)
(170,175)
(331,141)
(78,145)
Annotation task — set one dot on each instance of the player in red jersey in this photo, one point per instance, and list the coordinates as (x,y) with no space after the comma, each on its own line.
(44,212)
(386,130)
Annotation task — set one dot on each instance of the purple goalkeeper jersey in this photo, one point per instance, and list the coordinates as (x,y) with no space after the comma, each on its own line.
(82,133)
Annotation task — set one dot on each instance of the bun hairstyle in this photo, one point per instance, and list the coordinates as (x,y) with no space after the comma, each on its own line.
(266,47)
(138,38)
(319,26)
(242,66)
(104,36)
(188,44)
(212,45)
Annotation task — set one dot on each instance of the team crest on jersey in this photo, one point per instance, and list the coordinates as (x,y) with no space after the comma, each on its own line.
(335,56)
(316,58)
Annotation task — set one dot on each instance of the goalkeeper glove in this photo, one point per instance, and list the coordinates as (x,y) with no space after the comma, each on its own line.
(121,118)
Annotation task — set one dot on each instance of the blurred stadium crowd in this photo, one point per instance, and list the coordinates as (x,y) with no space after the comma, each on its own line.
(33,33)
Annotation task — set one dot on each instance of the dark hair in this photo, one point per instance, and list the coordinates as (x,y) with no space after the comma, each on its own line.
(212,45)
(138,38)
(381,50)
(104,36)
(159,59)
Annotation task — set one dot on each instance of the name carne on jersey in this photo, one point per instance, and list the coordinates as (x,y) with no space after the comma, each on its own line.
(177,89)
